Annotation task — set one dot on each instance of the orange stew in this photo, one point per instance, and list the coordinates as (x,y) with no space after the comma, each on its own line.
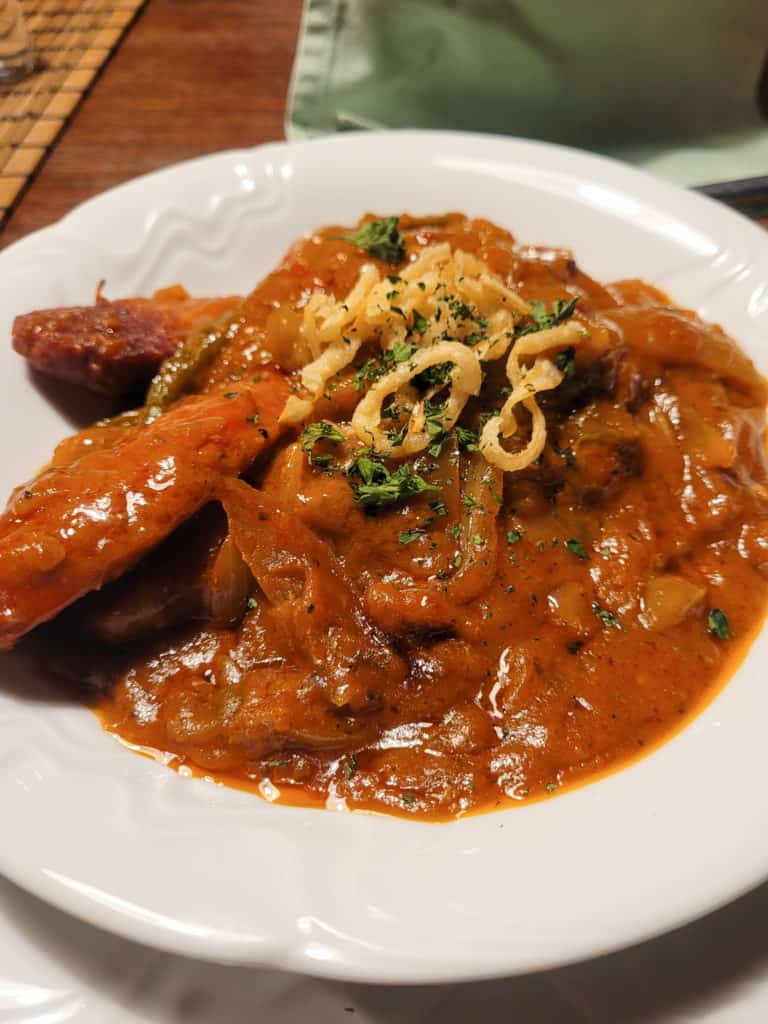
(488,640)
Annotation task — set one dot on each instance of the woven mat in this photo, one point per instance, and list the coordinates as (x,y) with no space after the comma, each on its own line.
(73,39)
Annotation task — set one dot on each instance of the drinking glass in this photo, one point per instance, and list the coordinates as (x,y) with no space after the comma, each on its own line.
(17,54)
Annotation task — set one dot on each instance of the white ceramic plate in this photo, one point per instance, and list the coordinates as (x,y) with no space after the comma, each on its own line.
(55,970)
(199,869)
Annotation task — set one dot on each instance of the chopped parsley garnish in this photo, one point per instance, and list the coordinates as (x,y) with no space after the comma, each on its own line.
(433,412)
(371,370)
(457,561)
(565,361)
(252,603)
(468,439)
(380,486)
(380,239)
(551,787)
(433,376)
(408,798)
(320,431)
(438,506)
(420,323)
(350,766)
(409,536)
(576,549)
(513,536)
(231,394)
(455,530)
(462,311)
(437,443)
(718,625)
(562,309)
(252,419)
(392,295)
(468,501)
(396,437)
(496,497)
(607,618)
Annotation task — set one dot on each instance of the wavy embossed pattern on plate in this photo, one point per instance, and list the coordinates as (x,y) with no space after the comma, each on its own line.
(56,970)
(212,872)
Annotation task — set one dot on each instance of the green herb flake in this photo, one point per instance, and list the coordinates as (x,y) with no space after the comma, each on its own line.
(392,295)
(252,603)
(513,536)
(607,618)
(457,561)
(231,394)
(541,320)
(420,323)
(408,798)
(380,239)
(718,625)
(350,766)
(438,506)
(433,376)
(551,787)
(496,497)
(566,362)
(372,370)
(468,439)
(437,443)
(320,431)
(252,419)
(454,531)
(409,536)
(401,352)
(576,549)
(380,486)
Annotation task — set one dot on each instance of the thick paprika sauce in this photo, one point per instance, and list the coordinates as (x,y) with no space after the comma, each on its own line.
(607,591)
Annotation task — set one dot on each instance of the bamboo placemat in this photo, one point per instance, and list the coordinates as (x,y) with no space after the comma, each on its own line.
(73,39)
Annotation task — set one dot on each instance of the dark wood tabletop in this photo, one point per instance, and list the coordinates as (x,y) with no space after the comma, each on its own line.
(189,77)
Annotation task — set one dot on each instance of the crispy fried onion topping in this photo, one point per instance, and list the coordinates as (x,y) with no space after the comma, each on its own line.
(444,311)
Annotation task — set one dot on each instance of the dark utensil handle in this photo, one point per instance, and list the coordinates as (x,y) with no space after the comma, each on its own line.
(749,195)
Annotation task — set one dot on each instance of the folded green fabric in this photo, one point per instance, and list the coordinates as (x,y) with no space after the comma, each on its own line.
(669,86)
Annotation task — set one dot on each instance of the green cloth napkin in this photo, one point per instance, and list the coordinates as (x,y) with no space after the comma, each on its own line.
(671,86)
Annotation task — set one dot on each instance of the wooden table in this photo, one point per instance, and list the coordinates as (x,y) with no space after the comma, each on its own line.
(190,77)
